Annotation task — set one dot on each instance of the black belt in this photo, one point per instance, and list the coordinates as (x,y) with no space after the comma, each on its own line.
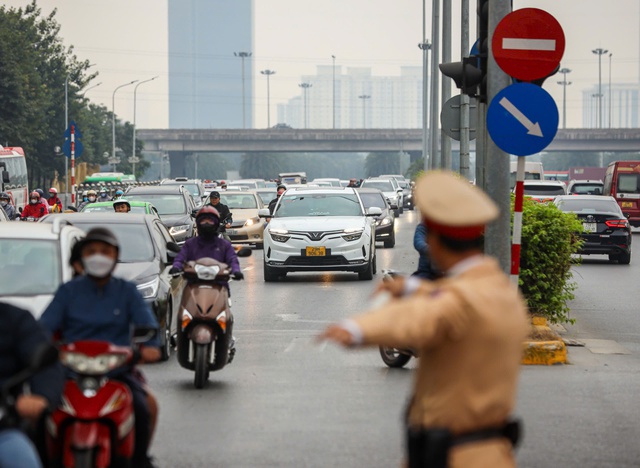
(510,431)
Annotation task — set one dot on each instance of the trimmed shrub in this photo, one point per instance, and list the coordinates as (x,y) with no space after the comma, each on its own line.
(549,238)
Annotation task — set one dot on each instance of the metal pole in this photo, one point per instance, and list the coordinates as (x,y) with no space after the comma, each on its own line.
(195,172)
(133,150)
(498,235)
(268,74)
(465,158)
(334,91)
(564,84)
(435,73)
(242,56)
(113,118)
(66,125)
(305,87)
(610,104)
(599,52)
(446,84)
(364,98)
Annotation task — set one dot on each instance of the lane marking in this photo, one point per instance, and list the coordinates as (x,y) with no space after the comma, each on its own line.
(512,43)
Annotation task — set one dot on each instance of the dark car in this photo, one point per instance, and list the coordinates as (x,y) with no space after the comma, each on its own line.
(194,186)
(146,255)
(605,229)
(175,206)
(385,223)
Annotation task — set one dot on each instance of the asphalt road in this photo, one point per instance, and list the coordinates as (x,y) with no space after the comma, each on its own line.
(287,402)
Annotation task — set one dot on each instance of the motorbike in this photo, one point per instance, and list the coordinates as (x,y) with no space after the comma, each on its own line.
(95,424)
(206,323)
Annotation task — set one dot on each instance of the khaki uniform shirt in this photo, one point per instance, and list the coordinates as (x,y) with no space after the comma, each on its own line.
(468,330)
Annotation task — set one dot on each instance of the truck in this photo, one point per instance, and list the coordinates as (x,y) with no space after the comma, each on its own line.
(587,173)
(293,177)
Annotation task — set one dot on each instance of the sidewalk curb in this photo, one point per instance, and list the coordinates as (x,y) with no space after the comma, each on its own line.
(547,352)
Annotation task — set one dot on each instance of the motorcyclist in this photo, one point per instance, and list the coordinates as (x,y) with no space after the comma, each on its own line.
(223,211)
(34,209)
(5,203)
(119,194)
(91,198)
(20,336)
(103,195)
(99,306)
(54,201)
(272,204)
(210,244)
(122,206)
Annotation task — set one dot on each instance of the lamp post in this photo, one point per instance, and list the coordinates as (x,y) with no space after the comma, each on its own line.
(364,98)
(113,118)
(268,74)
(133,160)
(305,87)
(564,84)
(90,88)
(425,47)
(599,52)
(334,91)
(243,55)
(610,103)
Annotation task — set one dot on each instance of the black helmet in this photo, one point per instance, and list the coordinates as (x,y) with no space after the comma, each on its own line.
(281,186)
(4,196)
(100,234)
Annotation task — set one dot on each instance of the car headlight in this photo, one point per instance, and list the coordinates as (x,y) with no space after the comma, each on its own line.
(92,365)
(352,234)
(384,222)
(279,235)
(150,288)
(177,230)
(251,222)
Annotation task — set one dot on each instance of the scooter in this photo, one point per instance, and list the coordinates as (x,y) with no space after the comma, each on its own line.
(204,341)
(95,424)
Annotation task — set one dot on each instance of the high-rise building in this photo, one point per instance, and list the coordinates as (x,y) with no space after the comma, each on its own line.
(623,110)
(387,102)
(205,77)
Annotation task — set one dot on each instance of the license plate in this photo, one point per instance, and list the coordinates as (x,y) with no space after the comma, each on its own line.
(590,227)
(627,204)
(316,251)
(232,232)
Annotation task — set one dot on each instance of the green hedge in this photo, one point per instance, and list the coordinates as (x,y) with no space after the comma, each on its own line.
(548,241)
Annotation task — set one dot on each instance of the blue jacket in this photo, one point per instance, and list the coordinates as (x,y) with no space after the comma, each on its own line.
(425,269)
(9,210)
(81,310)
(217,248)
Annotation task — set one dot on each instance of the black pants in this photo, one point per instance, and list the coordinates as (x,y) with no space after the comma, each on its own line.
(142,415)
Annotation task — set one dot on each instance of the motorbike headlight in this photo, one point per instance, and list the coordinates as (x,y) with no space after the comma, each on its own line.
(279,235)
(178,230)
(92,365)
(150,288)
(352,234)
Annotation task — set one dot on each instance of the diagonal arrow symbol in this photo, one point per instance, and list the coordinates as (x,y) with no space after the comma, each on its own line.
(532,128)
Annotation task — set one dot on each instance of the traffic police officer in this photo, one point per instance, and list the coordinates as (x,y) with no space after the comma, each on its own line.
(468,328)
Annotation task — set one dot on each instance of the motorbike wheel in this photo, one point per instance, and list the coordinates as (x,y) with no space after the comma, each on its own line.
(83,458)
(393,358)
(201,365)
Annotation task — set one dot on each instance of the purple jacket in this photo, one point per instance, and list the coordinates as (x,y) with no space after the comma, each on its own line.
(197,247)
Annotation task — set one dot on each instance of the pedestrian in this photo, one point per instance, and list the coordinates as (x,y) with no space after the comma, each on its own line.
(426,269)
(467,327)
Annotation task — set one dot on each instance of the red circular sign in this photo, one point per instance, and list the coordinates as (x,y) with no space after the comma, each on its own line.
(528,44)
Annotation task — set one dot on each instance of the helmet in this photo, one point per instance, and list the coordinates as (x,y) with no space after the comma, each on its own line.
(100,234)
(4,196)
(119,192)
(208,211)
(91,192)
(281,186)
(84,193)
(40,192)
(121,201)
(34,194)
(103,190)
(214,194)
(53,190)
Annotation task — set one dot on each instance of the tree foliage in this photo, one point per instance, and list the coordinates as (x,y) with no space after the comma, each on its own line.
(549,238)
(382,163)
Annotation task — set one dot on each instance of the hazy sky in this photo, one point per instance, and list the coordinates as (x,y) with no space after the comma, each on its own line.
(127,40)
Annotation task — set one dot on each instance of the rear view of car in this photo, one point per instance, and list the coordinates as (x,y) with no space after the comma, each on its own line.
(585,187)
(544,191)
(606,230)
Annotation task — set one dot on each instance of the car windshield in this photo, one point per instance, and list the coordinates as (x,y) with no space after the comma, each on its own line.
(383,185)
(239,201)
(165,204)
(580,205)
(587,189)
(193,188)
(543,190)
(135,242)
(373,199)
(319,204)
(29,267)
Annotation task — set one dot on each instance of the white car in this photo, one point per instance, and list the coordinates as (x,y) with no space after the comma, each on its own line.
(35,261)
(544,191)
(390,189)
(320,229)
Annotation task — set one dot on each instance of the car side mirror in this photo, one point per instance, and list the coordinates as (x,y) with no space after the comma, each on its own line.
(374,211)
(393,206)
(194,212)
(244,252)
(264,213)
(399,190)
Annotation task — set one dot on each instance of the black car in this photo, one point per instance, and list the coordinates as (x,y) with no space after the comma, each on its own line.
(147,251)
(194,186)
(385,223)
(605,229)
(175,206)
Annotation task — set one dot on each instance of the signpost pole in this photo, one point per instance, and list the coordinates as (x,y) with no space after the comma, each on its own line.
(517,222)
(73,163)
(445,158)
(464,103)
(435,74)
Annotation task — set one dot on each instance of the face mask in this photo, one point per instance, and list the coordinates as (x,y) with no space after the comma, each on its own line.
(92,199)
(208,230)
(3,203)
(98,265)
(34,201)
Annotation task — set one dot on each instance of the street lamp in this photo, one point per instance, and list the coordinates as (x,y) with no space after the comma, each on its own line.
(364,98)
(610,103)
(133,159)
(113,118)
(564,84)
(243,55)
(599,52)
(334,91)
(90,88)
(425,46)
(268,73)
(305,87)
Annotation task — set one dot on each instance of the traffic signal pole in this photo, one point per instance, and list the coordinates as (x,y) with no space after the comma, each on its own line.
(464,103)
(445,158)
(498,234)
(435,160)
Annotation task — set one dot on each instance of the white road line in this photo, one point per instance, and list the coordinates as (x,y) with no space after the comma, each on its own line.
(512,43)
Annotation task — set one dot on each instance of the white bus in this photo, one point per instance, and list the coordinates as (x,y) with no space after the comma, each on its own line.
(13,166)
(532,171)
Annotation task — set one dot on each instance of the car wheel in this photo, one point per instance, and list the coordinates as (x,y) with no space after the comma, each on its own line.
(269,274)
(367,274)
(166,336)
(391,241)
(401,209)
(624,258)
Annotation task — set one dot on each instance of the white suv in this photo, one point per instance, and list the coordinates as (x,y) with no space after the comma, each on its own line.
(35,261)
(320,229)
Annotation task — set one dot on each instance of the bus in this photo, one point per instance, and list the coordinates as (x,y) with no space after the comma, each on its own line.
(532,171)
(113,177)
(15,182)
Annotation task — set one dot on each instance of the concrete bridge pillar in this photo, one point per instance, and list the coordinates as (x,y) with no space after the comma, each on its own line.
(177,161)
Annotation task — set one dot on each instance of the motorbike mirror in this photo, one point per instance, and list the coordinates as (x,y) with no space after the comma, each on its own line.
(194,213)
(173,247)
(144,334)
(244,252)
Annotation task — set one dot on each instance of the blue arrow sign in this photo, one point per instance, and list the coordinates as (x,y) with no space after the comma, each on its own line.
(522,119)
(66,146)
(67,132)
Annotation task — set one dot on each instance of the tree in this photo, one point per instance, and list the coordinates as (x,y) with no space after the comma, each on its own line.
(382,163)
